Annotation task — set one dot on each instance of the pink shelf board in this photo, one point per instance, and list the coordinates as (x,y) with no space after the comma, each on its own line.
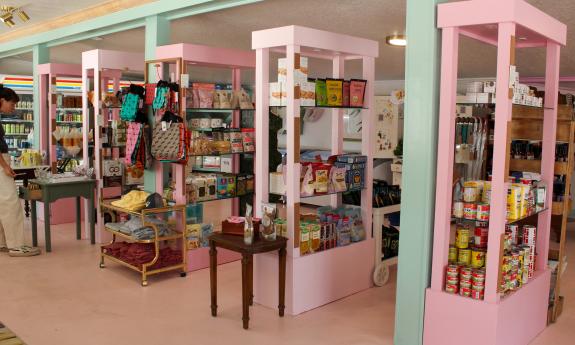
(516,320)
(200,258)
(315,279)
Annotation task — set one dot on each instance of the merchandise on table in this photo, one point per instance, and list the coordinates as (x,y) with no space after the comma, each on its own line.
(330,228)
(138,254)
(203,187)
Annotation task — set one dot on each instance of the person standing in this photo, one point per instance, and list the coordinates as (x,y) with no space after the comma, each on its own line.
(11,215)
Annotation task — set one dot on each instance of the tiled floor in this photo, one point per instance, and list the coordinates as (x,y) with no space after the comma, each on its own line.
(64,298)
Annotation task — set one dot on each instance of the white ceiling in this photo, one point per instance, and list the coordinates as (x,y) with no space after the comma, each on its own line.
(42,10)
(372,19)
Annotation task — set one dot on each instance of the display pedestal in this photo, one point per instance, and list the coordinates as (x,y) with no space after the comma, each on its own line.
(316,279)
(515,320)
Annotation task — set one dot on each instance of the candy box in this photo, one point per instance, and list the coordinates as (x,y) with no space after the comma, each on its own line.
(226,186)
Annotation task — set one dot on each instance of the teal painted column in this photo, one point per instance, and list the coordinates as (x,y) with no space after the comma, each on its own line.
(157,34)
(40,55)
(419,163)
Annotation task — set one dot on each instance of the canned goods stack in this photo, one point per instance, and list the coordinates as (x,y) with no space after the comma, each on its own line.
(466,281)
(529,236)
(519,257)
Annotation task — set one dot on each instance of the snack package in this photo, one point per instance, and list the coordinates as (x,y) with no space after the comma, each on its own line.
(356,92)
(236,141)
(334,92)
(337,180)
(345,95)
(248,138)
(315,236)
(308,183)
(304,244)
(320,93)
(321,177)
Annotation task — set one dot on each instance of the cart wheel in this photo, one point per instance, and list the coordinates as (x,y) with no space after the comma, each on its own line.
(102,265)
(183,274)
(381,275)
(144,283)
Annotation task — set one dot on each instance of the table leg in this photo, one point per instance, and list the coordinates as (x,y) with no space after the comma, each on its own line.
(90,216)
(282,280)
(251,280)
(27,208)
(214,277)
(47,235)
(78,219)
(34,221)
(245,290)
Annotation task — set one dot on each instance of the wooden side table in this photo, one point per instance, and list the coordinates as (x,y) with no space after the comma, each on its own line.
(25,174)
(236,244)
(52,191)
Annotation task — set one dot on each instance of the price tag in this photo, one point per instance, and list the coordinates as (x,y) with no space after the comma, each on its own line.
(164,126)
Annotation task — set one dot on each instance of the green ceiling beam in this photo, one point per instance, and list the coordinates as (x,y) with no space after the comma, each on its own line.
(135,15)
(40,55)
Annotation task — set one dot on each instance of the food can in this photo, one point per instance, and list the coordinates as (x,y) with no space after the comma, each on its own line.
(452,280)
(486,196)
(507,242)
(529,235)
(465,284)
(464,257)
(458,209)
(483,212)
(462,238)
(478,275)
(451,289)
(481,236)
(470,211)
(470,194)
(477,257)
(452,254)
(514,230)
(466,273)
(477,294)
(465,292)
(453,270)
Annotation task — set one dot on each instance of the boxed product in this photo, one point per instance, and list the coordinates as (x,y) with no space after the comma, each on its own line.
(352,158)
(307,94)
(241,185)
(334,92)
(277,185)
(357,92)
(468,98)
(250,183)
(485,98)
(248,139)
(277,91)
(226,186)
(199,184)
(464,110)
(211,181)
(112,168)
(226,165)
(320,93)
(514,201)
(300,72)
(475,87)
(489,86)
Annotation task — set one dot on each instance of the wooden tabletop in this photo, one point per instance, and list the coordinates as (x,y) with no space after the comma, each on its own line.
(236,243)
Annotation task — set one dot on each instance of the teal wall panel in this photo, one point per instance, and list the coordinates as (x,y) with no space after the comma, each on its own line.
(40,55)
(419,169)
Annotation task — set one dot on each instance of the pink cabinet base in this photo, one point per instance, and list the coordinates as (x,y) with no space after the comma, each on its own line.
(515,320)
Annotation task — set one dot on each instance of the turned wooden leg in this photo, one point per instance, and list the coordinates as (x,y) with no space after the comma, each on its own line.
(282,280)
(251,280)
(214,277)
(245,291)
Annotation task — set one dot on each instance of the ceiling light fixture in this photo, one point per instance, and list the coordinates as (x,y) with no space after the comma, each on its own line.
(7,15)
(396,40)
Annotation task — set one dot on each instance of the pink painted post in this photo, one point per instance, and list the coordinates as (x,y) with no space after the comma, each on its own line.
(503,113)
(367,144)
(45,131)
(337,122)
(548,154)
(236,122)
(445,154)
(293,165)
(262,123)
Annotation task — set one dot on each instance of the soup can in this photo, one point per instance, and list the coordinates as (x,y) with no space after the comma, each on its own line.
(466,273)
(465,284)
(452,254)
(453,270)
(470,211)
(452,280)
(481,236)
(470,194)
(465,292)
(529,235)
(458,209)
(477,257)
(514,230)
(483,212)
(478,275)
(462,238)
(451,288)
(477,294)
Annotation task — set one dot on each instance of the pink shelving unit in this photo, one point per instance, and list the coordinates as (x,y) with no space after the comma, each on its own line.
(315,279)
(235,61)
(519,317)
(99,68)
(49,73)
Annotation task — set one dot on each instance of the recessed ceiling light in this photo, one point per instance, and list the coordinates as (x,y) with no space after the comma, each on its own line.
(523,38)
(396,40)
(97,38)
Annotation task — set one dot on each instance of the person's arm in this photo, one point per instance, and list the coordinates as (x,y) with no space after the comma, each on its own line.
(6,167)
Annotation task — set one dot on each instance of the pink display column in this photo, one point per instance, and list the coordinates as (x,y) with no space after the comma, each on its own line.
(519,317)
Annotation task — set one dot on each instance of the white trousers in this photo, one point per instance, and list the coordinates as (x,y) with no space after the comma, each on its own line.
(11,215)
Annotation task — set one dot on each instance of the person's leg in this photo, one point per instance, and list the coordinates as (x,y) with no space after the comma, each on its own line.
(3,246)
(12,218)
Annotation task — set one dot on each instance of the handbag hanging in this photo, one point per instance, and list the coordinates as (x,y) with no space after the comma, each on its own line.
(169,142)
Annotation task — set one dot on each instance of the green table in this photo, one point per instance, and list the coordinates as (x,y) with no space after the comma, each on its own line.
(52,191)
